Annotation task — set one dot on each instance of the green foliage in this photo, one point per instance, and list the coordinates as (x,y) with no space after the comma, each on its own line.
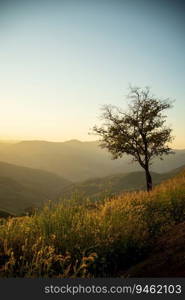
(139,132)
(71,239)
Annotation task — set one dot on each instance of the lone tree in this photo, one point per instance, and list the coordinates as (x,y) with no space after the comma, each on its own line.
(139,132)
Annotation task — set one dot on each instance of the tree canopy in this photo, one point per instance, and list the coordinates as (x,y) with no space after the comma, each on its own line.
(140,132)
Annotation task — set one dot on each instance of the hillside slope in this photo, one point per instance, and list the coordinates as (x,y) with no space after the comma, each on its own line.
(77,161)
(136,231)
(22,187)
(99,188)
(167,259)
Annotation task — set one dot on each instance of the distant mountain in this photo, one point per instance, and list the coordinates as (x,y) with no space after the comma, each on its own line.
(78,161)
(22,188)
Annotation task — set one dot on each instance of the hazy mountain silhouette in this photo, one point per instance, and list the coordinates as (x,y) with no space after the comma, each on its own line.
(77,161)
(22,187)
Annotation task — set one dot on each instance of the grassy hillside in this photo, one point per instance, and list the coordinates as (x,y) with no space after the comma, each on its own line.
(77,161)
(99,188)
(75,240)
(22,187)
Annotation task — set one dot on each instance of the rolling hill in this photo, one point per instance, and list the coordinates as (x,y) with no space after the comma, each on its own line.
(78,161)
(100,188)
(21,187)
(32,172)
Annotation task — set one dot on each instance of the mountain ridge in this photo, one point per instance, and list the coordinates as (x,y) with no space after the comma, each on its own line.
(22,187)
(77,160)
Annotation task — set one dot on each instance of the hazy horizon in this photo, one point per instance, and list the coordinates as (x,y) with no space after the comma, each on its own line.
(62,60)
(14,141)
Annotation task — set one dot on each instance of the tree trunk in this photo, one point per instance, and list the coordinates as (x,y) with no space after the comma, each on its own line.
(148,180)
